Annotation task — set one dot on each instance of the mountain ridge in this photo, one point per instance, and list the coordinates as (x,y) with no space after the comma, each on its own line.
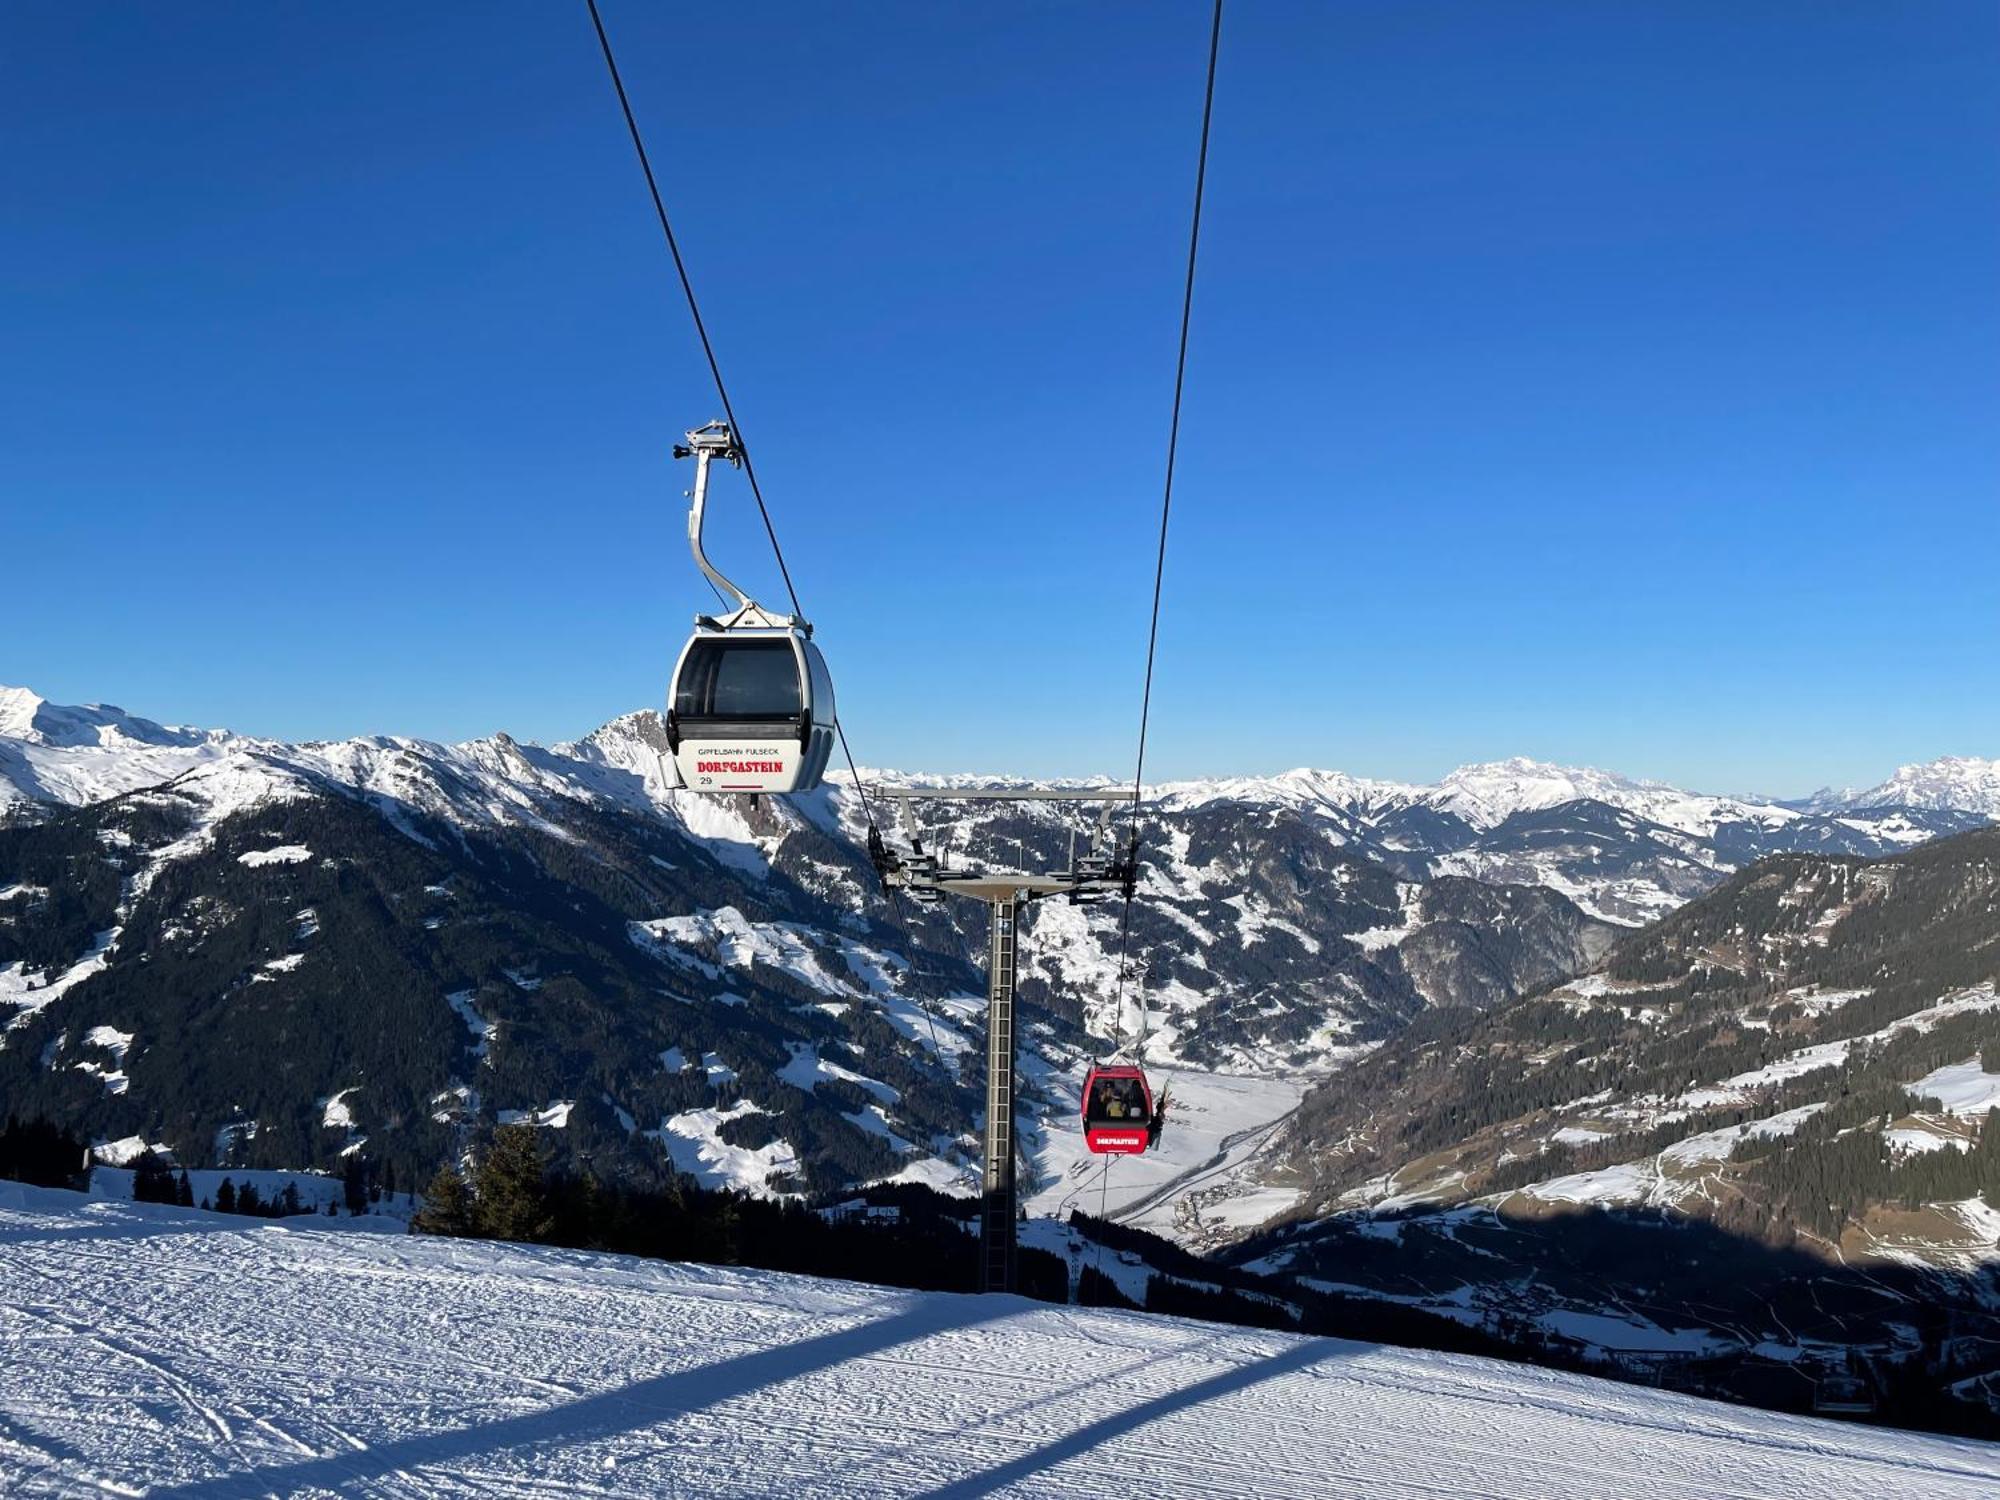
(1726,1129)
(1482,793)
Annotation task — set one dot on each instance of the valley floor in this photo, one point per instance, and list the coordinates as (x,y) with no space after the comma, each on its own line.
(179,1354)
(1200,1183)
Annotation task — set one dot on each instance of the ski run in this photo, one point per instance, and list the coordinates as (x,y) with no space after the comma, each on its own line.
(177,1354)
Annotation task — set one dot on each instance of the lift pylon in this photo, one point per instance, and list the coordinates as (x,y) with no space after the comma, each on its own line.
(931,876)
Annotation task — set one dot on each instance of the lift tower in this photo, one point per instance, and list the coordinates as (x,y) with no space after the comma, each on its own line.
(930,877)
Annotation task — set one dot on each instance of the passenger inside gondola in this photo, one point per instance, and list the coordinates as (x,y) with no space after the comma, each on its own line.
(1117,1099)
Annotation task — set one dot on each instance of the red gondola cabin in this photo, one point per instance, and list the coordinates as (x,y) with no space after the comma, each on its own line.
(1118,1114)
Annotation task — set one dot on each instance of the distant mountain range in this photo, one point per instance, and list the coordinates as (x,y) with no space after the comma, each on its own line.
(271,953)
(1626,851)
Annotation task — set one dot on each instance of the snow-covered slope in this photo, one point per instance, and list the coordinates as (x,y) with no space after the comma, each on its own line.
(51,752)
(32,719)
(230,1360)
(1625,851)
(1487,795)
(1963,782)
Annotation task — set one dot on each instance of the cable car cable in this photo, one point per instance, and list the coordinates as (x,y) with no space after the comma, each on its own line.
(714,367)
(903,916)
(1166,514)
(687,290)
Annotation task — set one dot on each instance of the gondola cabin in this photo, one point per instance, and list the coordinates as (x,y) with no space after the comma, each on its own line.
(1118,1117)
(750,710)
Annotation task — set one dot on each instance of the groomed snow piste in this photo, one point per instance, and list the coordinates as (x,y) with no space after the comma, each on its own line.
(172,1353)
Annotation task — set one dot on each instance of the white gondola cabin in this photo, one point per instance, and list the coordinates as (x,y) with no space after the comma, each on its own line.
(751,709)
(751,704)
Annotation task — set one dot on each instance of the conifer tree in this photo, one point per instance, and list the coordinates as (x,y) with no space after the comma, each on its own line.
(184,1194)
(354,1185)
(153,1180)
(447,1206)
(511,1195)
(225,1197)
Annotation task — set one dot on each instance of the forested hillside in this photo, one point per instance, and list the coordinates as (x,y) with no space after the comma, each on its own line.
(1758,1132)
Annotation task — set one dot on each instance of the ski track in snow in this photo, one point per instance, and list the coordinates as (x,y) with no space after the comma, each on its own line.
(176,1354)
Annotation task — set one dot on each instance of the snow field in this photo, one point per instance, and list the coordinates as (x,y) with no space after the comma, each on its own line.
(284,854)
(177,1354)
(1963,1088)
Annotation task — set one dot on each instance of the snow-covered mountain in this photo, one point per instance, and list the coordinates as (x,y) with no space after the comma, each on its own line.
(1626,851)
(266,955)
(53,753)
(227,1358)
(1962,783)
(555,933)
(1486,795)
(33,720)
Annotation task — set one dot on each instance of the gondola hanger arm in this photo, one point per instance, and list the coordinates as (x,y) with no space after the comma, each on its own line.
(705,445)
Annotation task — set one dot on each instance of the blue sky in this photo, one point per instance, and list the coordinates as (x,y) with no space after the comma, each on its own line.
(1608,384)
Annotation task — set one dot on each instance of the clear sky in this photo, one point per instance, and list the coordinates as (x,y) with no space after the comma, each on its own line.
(1604,383)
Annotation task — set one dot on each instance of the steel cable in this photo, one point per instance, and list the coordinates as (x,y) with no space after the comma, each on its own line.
(715,370)
(1166,515)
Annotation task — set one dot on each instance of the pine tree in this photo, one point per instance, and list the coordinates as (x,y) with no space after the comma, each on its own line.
(354,1185)
(248,1200)
(447,1206)
(153,1181)
(225,1197)
(289,1202)
(511,1200)
(184,1195)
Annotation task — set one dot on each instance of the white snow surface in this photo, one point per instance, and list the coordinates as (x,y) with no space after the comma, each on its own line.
(284,854)
(483,1030)
(1606,1332)
(237,1358)
(1487,795)
(694,1140)
(1669,1178)
(28,994)
(807,1070)
(1918,1140)
(554,1117)
(739,943)
(111,1039)
(1963,1088)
